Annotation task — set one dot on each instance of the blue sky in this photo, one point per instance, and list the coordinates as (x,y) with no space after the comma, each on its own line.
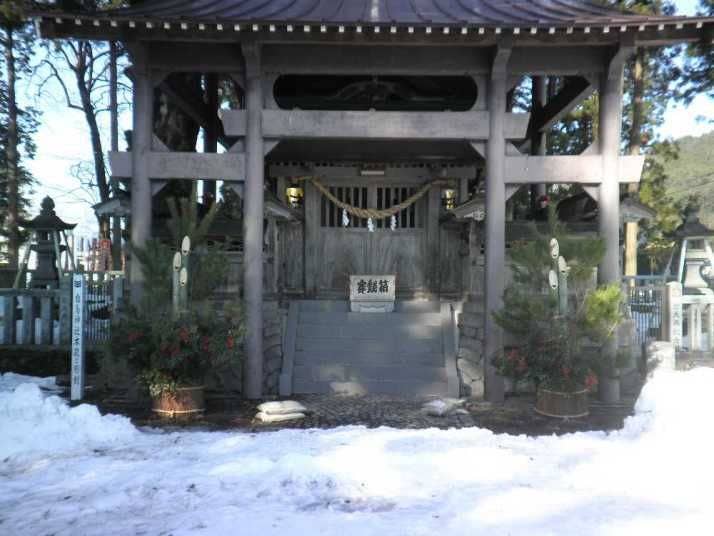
(63,140)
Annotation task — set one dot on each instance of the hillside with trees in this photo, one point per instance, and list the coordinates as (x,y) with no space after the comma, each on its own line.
(691,174)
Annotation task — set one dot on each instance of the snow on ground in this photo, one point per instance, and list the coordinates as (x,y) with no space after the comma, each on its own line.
(71,471)
(10,380)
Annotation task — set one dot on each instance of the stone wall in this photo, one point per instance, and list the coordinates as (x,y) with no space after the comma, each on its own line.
(470,347)
(272,346)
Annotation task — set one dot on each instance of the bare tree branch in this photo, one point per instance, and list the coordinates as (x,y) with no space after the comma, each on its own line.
(56,75)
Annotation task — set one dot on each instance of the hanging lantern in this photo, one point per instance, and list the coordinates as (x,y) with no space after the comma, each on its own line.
(294,195)
(448,198)
(345,218)
(393,222)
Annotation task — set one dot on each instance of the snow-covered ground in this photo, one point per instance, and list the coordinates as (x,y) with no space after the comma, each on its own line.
(73,472)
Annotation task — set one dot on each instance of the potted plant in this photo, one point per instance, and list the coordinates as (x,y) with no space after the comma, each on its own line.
(173,355)
(551,309)
(175,338)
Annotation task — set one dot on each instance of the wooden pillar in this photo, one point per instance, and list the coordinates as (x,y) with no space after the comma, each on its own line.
(140,153)
(253,225)
(433,276)
(539,142)
(495,222)
(311,257)
(609,198)
(609,201)
(474,274)
(210,140)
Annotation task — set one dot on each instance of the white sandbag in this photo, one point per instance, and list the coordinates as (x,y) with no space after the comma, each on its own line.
(282,407)
(442,406)
(267,417)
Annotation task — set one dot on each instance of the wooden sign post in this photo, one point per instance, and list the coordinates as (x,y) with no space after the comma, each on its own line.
(79,293)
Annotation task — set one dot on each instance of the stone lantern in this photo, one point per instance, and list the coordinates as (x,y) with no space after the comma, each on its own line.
(48,239)
(696,261)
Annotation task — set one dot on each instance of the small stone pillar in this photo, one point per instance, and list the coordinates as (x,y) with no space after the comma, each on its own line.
(672,322)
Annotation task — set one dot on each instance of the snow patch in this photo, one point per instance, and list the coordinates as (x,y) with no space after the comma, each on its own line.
(33,423)
(10,380)
(652,477)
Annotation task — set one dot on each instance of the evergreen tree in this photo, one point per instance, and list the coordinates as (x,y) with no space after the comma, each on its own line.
(17,124)
(699,62)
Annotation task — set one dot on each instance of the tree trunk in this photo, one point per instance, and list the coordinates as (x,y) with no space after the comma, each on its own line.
(114,145)
(113,107)
(635,146)
(97,152)
(12,155)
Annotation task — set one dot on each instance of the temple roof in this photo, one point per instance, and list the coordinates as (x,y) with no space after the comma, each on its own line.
(326,16)
(481,12)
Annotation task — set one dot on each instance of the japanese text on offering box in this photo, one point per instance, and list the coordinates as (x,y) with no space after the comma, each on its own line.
(372,287)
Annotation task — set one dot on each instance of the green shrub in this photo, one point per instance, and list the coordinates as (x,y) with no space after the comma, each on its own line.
(549,350)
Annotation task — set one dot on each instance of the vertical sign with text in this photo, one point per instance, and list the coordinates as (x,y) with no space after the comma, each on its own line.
(79,287)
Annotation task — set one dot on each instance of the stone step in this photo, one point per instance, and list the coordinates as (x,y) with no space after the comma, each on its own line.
(365,357)
(343,306)
(349,372)
(346,347)
(369,332)
(395,388)
(370,319)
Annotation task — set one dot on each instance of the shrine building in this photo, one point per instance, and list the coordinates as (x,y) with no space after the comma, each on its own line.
(374,146)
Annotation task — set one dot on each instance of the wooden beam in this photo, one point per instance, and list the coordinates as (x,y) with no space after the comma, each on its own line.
(415,174)
(560,61)
(569,169)
(194,57)
(575,91)
(406,60)
(175,165)
(315,124)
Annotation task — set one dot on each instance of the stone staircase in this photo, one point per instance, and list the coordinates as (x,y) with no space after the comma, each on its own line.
(405,353)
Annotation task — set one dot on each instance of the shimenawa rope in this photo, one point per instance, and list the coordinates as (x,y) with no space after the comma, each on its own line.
(373,213)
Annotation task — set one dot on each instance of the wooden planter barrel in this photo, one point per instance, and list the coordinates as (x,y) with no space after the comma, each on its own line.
(562,404)
(184,402)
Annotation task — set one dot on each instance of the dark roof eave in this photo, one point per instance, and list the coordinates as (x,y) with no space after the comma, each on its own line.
(106,24)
